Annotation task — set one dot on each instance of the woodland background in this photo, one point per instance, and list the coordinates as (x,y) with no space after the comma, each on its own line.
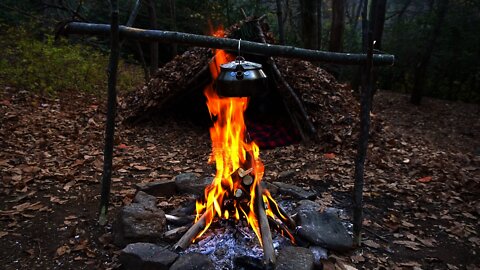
(435,42)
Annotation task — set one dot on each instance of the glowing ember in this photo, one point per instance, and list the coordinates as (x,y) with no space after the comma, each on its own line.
(232,193)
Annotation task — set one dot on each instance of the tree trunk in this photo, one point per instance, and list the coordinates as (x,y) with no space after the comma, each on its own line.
(292,25)
(338,26)
(319,24)
(173,17)
(377,19)
(152,16)
(421,67)
(360,10)
(357,14)
(281,29)
(379,8)
(229,21)
(308,9)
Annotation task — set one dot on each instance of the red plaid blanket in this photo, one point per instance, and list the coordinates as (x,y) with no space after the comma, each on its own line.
(271,135)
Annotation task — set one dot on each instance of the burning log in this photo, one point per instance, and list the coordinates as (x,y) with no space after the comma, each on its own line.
(190,235)
(179,220)
(247,180)
(279,212)
(238,193)
(175,233)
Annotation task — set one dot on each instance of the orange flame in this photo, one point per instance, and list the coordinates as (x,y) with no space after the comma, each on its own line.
(230,152)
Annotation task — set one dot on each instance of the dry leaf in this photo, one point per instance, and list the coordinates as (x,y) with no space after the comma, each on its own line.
(474,240)
(3,234)
(425,179)
(357,258)
(371,243)
(408,244)
(68,185)
(122,146)
(452,267)
(407,224)
(62,250)
(140,167)
(329,155)
(427,242)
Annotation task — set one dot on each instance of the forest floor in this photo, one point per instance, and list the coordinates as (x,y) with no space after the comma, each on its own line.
(422,192)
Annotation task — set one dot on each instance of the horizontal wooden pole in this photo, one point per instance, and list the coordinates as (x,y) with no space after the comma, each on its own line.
(227,43)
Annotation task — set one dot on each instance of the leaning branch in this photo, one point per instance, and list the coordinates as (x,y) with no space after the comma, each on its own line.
(228,43)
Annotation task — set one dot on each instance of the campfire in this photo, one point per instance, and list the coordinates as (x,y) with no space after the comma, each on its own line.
(236,191)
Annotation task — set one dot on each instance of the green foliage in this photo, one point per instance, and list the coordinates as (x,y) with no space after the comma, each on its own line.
(453,70)
(48,66)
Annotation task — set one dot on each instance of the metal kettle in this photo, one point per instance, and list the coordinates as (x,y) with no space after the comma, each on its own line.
(240,78)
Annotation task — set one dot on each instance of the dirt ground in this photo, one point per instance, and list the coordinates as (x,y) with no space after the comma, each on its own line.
(422,202)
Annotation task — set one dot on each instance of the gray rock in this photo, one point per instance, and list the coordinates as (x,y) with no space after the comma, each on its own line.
(190,183)
(294,191)
(146,256)
(159,188)
(270,187)
(305,205)
(248,263)
(140,221)
(323,229)
(193,261)
(148,201)
(294,258)
(319,254)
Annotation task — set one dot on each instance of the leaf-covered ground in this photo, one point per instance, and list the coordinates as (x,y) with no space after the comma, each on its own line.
(422,202)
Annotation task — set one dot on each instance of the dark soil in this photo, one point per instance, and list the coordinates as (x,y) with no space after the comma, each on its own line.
(422,203)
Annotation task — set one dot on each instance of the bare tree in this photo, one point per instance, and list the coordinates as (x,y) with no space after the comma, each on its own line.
(421,67)
(338,25)
(152,16)
(309,23)
(319,24)
(173,17)
(377,19)
(379,8)
(281,28)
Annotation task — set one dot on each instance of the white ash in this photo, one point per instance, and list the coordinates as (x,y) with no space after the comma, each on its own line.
(230,240)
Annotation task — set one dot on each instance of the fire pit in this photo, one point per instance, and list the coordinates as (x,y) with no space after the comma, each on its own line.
(236,192)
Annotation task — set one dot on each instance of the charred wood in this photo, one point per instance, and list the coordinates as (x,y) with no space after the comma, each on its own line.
(266,234)
(190,235)
(281,214)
